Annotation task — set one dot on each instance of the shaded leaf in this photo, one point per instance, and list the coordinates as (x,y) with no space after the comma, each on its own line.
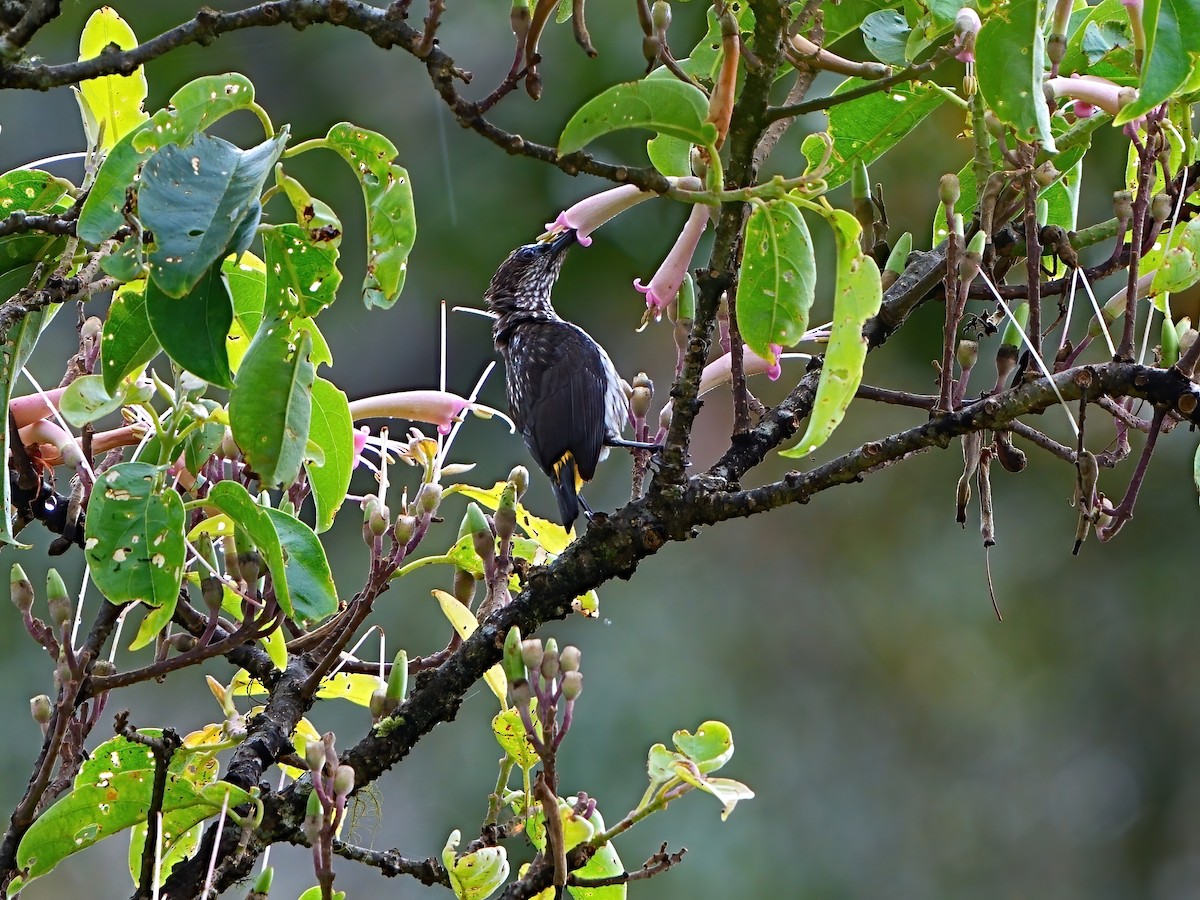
(1010,64)
(127,343)
(885,32)
(85,400)
(1172,54)
(663,105)
(332,430)
(192,329)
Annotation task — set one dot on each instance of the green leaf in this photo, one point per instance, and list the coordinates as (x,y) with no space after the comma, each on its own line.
(512,738)
(1179,265)
(666,106)
(885,33)
(134,536)
(605,863)
(235,501)
(156,619)
(332,430)
(246,277)
(194,198)
(1010,65)
(856,298)
(840,19)
(31,191)
(85,400)
(864,129)
(14,353)
(391,217)
(315,215)
(314,893)
(1172,54)
(127,343)
(111,793)
(709,748)
(193,107)
(670,155)
(112,102)
(778,280)
(205,440)
(270,406)
(192,329)
(309,580)
(302,274)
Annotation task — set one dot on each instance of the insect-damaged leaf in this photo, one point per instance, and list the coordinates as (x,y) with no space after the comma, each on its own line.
(778,280)
(1010,64)
(664,105)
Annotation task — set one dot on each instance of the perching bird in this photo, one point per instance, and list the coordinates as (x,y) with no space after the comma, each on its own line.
(565,394)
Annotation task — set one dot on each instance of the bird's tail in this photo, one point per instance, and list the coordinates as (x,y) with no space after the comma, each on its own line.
(566,482)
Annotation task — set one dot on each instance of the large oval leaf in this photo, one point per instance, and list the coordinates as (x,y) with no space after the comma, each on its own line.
(193,329)
(856,299)
(333,432)
(235,501)
(309,580)
(112,104)
(128,341)
(391,216)
(778,279)
(667,106)
(1172,54)
(270,406)
(1010,65)
(134,536)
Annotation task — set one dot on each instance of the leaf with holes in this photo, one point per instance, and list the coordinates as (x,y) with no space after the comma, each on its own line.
(864,129)
(193,108)
(196,198)
(331,430)
(856,298)
(1172,54)
(663,105)
(391,217)
(302,274)
(111,793)
(270,406)
(134,536)
(192,329)
(111,104)
(778,280)
(1010,64)
(127,343)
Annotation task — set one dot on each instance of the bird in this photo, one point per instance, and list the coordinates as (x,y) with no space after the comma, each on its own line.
(565,395)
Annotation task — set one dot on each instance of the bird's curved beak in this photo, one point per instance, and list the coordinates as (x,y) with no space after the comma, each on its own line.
(563,241)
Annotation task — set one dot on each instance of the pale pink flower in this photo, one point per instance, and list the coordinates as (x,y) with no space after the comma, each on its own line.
(720,370)
(591,212)
(1092,91)
(440,408)
(664,286)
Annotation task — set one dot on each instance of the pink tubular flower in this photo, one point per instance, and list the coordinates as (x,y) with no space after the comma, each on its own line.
(440,408)
(1092,91)
(664,286)
(720,370)
(966,27)
(590,213)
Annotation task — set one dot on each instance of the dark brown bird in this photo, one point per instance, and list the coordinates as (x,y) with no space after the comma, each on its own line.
(565,395)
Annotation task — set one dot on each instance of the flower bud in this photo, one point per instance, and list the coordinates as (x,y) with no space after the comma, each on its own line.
(378,704)
(570,658)
(651,47)
(262,886)
(343,780)
(514,665)
(397,685)
(549,667)
(897,260)
(404,529)
(428,498)
(379,519)
(213,594)
(1045,174)
(1012,334)
(249,564)
(949,190)
(314,755)
(1160,207)
(1169,345)
(58,599)
(21,589)
(642,396)
(104,668)
(1123,205)
(314,817)
(664,418)
(519,479)
(531,654)
(40,709)
(521,693)
(62,672)
(182,642)
(505,517)
(572,685)
(660,16)
(464,586)
(968,354)
(860,182)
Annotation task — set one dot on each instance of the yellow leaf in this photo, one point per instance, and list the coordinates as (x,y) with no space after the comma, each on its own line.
(464,623)
(113,101)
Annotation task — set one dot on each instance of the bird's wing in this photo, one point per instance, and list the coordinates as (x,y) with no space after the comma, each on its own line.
(561,396)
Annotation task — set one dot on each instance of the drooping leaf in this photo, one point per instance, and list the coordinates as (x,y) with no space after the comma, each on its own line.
(192,329)
(112,102)
(195,198)
(156,619)
(270,406)
(86,400)
(864,129)
(778,279)
(111,793)
(885,32)
(302,274)
(1172,54)
(127,343)
(134,536)
(857,297)
(332,430)
(1010,65)
(193,107)
(391,216)
(663,105)
(310,583)
(235,501)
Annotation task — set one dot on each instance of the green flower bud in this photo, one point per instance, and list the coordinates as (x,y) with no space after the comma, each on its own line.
(405,528)
(860,182)
(514,665)
(570,658)
(660,16)
(40,709)
(378,704)
(21,589)
(519,479)
(182,642)
(949,190)
(464,587)
(1123,205)
(531,654)
(213,593)
(664,418)
(58,599)
(1042,211)
(343,780)
(428,498)
(505,516)
(397,685)
(968,354)
(642,396)
(380,519)
(1012,335)
(1169,354)
(104,668)
(550,665)
(262,886)
(897,260)
(572,685)
(1160,207)
(314,817)
(62,672)
(314,755)
(1056,48)
(684,308)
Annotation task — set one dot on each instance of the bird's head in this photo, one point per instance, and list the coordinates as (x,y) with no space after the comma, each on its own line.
(525,279)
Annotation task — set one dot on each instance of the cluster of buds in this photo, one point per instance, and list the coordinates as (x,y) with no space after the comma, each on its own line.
(386,698)
(332,784)
(492,537)
(540,678)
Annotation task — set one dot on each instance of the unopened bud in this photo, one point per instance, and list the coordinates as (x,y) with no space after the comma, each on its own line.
(1012,334)
(1123,205)
(397,685)
(62,672)
(569,658)
(404,529)
(379,704)
(58,598)
(660,16)
(314,817)
(104,668)
(531,654)
(262,885)
(182,642)
(642,396)
(343,780)
(1169,346)
(514,665)
(860,182)
(949,190)
(521,693)
(1160,207)
(21,588)
(428,498)
(213,594)
(1045,174)
(1056,48)
(572,685)
(651,47)
(550,665)
(40,709)
(379,519)
(314,755)
(664,418)
(968,354)
(505,517)
(519,479)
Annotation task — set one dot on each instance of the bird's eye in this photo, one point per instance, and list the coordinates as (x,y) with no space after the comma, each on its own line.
(528,253)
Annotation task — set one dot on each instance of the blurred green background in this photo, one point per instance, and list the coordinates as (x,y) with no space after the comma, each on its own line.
(902,742)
